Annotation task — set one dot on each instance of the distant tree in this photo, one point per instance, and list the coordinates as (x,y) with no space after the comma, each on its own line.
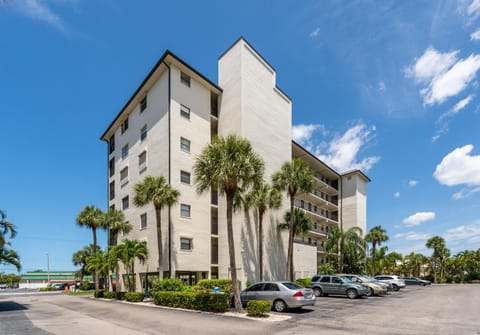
(7,255)
(128,251)
(376,236)
(437,243)
(348,245)
(6,227)
(115,222)
(293,177)
(80,257)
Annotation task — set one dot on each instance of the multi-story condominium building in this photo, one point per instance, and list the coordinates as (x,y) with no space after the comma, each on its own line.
(171,117)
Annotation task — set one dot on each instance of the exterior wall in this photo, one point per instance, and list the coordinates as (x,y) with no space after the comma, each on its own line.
(304,260)
(354,202)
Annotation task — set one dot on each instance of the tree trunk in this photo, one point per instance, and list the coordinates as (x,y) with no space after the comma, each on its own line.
(158,213)
(118,285)
(373,258)
(260,243)
(231,251)
(340,256)
(94,231)
(291,230)
(434,271)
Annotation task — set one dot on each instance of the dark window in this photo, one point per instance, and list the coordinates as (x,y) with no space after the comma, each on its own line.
(143,104)
(271,287)
(185,177)
(111,144)
(325,279)
(302,204)
(142,158)
(124,175)
(143,221)
(185,112)
(256,288)
(125,125)
(111,166)
(184,79)
(143,133)
(184,144)
(336,280)
(184,210)
(185,243)
(112,190)
(315,278)
(125,202)
(125,151)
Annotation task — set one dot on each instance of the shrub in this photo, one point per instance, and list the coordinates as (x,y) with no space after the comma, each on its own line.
(224,285)
(110,295)
(190,300)
(168,284)
(48,288)
(134,296)
(258,307)
(98,294)
(120,295)
(85,286)
(249,283)
(305,282)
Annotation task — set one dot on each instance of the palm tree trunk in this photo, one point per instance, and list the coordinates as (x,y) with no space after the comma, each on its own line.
(373,258)
(260,243)
(340,256)
(289,274)
(94,231)
(158,213)
(231,251)
(118,284)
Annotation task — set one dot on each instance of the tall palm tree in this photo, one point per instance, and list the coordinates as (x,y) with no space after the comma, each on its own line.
(262,197)
(10,256)
(376,236)
(393,258)
(115,222)
(301,222)
(415,261)
(6,227)
(156,190)
(92,218)
(437,243)
(228,164)
(128,251)
(294,177)
(80,257)
(348,241)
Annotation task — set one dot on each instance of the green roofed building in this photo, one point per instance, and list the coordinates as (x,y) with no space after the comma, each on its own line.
(37,279)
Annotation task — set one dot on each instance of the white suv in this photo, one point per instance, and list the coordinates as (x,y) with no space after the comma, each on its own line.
(396,282)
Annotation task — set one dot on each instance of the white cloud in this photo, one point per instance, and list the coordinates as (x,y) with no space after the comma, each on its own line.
(459,167)
(382,86)
(303,132)
(396,194)
(40,10)
(475,36)
(442,74)
(412,236)
(465,193)
(412,183)
(342,151)
(474,7)
(314,33)
(443,121)
(419,218)
(462,104)
(465,232)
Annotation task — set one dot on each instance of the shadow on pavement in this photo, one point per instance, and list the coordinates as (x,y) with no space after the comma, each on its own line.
(9,306)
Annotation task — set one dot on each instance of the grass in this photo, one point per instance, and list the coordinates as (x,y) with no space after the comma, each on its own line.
(89,292)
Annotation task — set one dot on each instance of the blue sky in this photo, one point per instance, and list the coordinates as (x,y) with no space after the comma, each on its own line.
(389,87)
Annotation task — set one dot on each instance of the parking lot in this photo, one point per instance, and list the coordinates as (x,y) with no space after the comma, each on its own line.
(436,309)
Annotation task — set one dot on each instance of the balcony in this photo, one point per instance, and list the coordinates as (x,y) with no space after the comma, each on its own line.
(325,185)
(317,214)
(316,197)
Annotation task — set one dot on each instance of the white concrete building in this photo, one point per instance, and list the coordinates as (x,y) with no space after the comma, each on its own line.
(170,118)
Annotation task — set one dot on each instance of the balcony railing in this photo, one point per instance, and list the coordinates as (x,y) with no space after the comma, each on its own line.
(315,210)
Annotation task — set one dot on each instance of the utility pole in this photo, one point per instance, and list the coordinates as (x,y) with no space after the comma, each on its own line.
(48,268)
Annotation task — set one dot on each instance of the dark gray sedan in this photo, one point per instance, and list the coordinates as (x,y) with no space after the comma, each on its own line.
(416,281)
(281,295)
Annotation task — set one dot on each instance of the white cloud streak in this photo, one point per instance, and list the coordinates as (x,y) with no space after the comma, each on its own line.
(459,167)
(315,33)
(475,36)
(465,193)
(412,236)
(470,233)
(412,183)
(396,194)
(303,132)
(419,218)
(40,10)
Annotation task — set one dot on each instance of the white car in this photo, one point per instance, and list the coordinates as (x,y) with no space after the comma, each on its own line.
(396,281)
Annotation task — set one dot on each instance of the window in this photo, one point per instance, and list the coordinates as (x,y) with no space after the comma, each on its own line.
(125,202)
(124,176)
(112,190)
(125,125)
(271,287)
(184,79)
(111,167)
(125,151)
(184,211)
(185,112)
(143,104)
(325,279)
(143,221)
(256,287)
(112,207)
(337,280)
(302,204)
(143,133)
(111,144)
(184,144)
(185,243)
(142,160)
(185,177)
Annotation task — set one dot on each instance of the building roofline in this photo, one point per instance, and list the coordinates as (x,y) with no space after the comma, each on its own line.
(161,60)
(357,171)
(316,158)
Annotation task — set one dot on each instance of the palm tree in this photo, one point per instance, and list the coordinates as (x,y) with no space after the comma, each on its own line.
(10,256)
(80,259)
(262,197)
(6,227)
(156,190)
(294,177)
(93,218)
(394,257)
(437,243)
(128,251)
(301,222)
(115,221)
(228,164)
(349,241)
(416,262)
(376,236)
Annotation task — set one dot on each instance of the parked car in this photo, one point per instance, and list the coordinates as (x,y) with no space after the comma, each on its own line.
(416,281)
(387,285)
(336,285)
(3,286)
(375,287)
(396,281)
(60,286)
(282,295)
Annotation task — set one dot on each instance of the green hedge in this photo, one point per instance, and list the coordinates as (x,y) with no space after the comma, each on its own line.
(120,295)
(224,285)
(134,296)
(305,282)
(258,307)
(168,284)
(98,294)
(110,295)
(201,301)
(48,288)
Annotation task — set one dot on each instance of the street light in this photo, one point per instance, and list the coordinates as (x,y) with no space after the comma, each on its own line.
(48,268)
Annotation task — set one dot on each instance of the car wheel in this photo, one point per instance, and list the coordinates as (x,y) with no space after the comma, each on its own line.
(370,292)
(279,306)
(317,291)
(395,287)
(352,293)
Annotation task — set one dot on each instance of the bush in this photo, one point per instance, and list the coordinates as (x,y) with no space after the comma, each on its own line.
(110,295)
(48,288)
(168,284)
(134,296)
(98,294)
(258,307)
(305,282)
(224,285)
(120,295)
(201,301)
(85,286)
(249,283)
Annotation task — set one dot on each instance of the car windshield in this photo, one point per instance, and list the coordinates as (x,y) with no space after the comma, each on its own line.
(346,279)
(366,278)
(291,285)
